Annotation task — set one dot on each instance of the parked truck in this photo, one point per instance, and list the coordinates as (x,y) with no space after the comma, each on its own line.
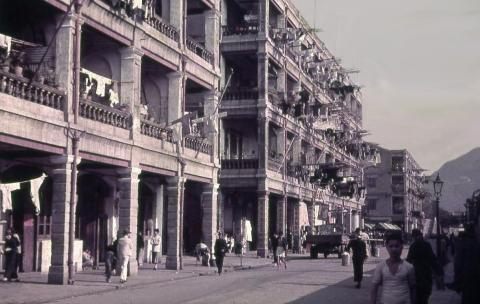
(327,244)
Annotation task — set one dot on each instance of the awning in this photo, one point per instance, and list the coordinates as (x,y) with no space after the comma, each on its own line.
(368,226)
(387,226)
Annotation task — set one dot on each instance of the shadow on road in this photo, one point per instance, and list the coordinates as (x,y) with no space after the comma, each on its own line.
(342,292)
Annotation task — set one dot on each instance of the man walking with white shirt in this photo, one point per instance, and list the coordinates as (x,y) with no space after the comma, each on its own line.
(124,251)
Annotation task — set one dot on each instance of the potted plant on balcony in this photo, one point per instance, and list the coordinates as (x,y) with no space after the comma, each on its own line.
(17,60)
(4,61)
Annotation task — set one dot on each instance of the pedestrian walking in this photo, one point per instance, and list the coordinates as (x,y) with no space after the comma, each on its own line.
(124,251)
(282,250)
(274,243)
(359,249)
(156,242)
(421,256)
(19,262)
(109,261)
(10,252)
(396,276)
(140,248)
(467,264)
(220,249)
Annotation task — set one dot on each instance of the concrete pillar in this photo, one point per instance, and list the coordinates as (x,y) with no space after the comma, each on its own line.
(61,175)
(127,183)
(262,74)
(211,125)
(311,216)
(281,82)
(175,191)
(64,57)
(174,96)
(212,30)
(175,10)
(347,220)
(221,208)
(262,223)
(281,215)
(263,17)
(263,143)
(158,220)
(296,227)
(130,86)
(210,209)
(355,220)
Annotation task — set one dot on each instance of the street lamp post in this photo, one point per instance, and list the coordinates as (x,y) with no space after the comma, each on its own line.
(437,189)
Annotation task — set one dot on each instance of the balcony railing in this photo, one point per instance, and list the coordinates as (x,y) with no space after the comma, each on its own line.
(164,28)
(241,94)
(239,164)
(199,49)
(240,30)
(151,129)
(19,86)
(105,114)
(198,144)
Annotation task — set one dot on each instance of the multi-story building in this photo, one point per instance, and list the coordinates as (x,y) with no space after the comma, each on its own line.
(291,142)
(99,101)
(115,76)
(395,190)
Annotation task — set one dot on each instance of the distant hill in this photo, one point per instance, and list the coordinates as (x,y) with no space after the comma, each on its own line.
(461,177)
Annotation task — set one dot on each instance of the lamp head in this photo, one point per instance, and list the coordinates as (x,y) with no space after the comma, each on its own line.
(437,186)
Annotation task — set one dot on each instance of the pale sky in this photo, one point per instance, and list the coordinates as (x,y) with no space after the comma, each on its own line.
(419,62)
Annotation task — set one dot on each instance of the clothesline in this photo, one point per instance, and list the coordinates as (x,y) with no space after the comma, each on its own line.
(7,189)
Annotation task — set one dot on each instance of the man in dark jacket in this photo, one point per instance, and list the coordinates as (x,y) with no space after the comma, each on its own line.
(421,256)
(359,254)
(220,250)
(274,244)
(467,264)
(11,250)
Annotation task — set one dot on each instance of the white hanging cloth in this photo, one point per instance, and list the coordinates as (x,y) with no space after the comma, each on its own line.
(248,231)
(35,185)
(6,43)
(6,192)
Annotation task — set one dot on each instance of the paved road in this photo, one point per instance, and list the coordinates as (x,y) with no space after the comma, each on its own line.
(305,281)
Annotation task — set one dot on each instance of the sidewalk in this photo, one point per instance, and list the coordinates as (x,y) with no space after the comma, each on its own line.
(33,287)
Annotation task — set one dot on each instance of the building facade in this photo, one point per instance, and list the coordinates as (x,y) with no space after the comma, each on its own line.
(115,105)
(110,87)
(291,144)
(395,190)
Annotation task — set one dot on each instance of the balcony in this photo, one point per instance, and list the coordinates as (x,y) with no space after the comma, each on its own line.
(229,164)
(152,129)
(199,49)
(105,114)
(198,144)
(35,92)
(241,29)
(164,28)
(242,94)
(275,161)
(398,188)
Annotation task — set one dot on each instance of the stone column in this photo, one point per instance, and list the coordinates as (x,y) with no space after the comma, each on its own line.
(130,86)
(282,215)
(174,96)
(311,216)
(347,221)
(209,218)
(176,12)
(262,71)
(158,224)
(263,143)
(211,125)
(262,223)
(355,220)
(128,208)
(61,175)
(212,30)
(263,17)
(221,206)
(296,227)
(175,191)
(64,57)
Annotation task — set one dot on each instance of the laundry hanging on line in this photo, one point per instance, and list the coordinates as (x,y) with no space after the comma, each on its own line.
(6,193)
(7,189)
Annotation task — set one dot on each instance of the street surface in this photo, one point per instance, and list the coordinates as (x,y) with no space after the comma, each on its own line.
(304,281)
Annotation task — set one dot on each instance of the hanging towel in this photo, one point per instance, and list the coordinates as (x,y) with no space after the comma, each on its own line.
(248,231)
(6,191)
(6,43)
(35,185)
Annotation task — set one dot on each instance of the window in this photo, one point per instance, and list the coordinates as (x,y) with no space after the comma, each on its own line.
(371,182)
(44,225)
(372,204)
(398,205)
